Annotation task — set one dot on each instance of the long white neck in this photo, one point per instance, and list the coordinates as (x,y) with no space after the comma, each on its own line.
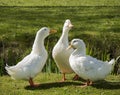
(38,46)
(64,36)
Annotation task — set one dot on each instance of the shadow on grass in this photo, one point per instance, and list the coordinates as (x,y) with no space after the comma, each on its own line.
(106,85)
(99,85)
(52,85)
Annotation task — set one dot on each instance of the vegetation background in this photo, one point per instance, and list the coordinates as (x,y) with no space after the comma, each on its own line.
(96,22)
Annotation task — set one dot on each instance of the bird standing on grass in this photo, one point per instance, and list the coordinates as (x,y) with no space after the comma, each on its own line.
(87,67)
(60,54)
(33,63)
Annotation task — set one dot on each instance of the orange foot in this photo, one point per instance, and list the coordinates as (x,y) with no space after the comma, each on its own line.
(88,83)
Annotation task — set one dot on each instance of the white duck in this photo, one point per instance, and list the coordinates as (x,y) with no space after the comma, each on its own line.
(87,67)
(33,63)
(60,54)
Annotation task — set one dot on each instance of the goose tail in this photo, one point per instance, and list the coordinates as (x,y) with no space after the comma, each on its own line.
(9,69)
(117,59)
(112,61)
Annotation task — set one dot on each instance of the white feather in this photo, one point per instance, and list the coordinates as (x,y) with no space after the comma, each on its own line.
(33,63)
(86,66)
(59,53)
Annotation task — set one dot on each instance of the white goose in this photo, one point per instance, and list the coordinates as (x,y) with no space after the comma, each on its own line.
(33,63)
(60,54)
(87,67)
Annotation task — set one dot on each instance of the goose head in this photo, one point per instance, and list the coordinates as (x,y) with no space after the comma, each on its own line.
(45,31)
(77,44)
(39,39)
(67,25)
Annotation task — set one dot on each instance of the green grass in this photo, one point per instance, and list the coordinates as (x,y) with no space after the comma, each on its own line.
(50,85)
(59,3)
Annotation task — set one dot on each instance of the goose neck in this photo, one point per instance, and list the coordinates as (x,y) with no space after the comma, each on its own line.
(38,46)
(64,36)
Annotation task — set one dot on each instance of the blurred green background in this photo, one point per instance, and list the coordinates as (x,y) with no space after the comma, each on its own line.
(97,23)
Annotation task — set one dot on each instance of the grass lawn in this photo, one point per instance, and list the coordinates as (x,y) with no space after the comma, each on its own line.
(50,85)
(59,3)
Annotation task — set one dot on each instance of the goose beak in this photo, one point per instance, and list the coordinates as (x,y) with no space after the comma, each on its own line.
(69,47)
(53,31)
(70,25)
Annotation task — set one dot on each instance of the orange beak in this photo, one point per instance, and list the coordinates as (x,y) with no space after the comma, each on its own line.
(69,47)
(70,25)
(53,31)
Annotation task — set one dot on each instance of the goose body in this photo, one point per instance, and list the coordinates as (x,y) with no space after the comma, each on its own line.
(33,63)
(60,54)
(86,66)
(28,68)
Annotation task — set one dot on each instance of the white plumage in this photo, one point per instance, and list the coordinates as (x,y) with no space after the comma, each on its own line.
(60,54)
(33,63)
(87,67)
(29,67)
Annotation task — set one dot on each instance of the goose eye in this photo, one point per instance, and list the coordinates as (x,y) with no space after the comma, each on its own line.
(45,29)
(74,41)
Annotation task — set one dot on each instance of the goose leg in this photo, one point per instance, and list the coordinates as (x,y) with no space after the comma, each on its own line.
(76,77)
(88,83)
(63,79)
(32,83)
